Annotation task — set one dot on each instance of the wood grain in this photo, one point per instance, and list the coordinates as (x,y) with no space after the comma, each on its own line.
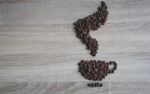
(37,42)
(73,88)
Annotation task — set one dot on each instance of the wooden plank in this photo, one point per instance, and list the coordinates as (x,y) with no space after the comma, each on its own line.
(130,88)
(125,12)
(73,87)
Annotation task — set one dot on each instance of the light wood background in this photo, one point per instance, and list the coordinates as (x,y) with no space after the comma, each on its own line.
(39,51)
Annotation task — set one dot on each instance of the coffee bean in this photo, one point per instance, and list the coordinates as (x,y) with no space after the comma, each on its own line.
(100,85)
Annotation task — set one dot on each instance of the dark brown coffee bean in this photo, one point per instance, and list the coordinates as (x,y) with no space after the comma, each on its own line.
(100,85)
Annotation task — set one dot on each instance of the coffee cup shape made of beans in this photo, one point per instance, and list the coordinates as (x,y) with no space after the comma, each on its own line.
(96,70)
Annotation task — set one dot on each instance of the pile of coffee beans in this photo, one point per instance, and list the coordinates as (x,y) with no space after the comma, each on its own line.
(83,26)
(94,84)
(96,70)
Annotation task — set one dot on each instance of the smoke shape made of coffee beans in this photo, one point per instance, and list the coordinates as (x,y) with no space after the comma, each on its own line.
(83,26)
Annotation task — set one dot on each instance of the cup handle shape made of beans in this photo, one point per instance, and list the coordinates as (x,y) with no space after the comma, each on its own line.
(113,67)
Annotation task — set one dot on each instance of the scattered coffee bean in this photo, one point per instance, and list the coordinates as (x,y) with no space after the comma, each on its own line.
(94,84)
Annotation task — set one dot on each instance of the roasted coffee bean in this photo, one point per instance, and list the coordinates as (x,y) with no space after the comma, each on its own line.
(100,85)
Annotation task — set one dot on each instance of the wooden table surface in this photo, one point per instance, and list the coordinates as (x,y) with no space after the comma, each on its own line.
(39,51)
